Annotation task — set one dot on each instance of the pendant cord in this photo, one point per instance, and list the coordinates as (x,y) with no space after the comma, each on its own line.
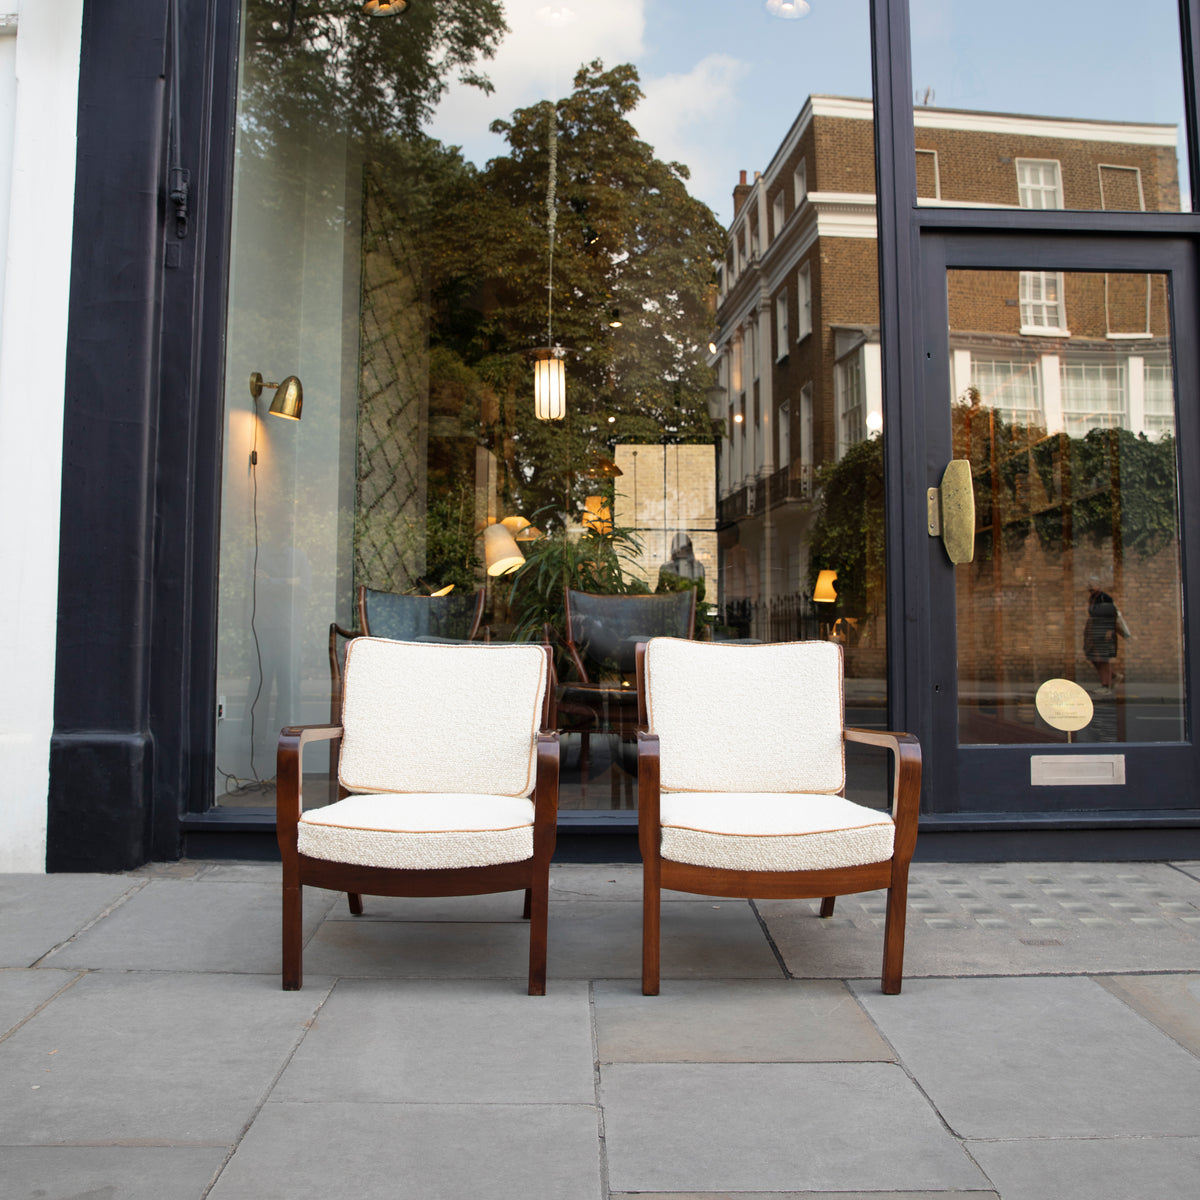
(551,219)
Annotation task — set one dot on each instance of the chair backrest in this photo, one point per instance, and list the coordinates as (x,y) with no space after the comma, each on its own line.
(606,629)
(745,718)
(400,618)
(430,717)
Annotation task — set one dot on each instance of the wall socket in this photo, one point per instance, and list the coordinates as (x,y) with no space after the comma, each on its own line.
(220,708)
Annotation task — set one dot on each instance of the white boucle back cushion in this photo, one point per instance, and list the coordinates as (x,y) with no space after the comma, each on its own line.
(747,718)
(432,717)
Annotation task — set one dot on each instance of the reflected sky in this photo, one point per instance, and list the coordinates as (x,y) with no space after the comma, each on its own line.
(724,79)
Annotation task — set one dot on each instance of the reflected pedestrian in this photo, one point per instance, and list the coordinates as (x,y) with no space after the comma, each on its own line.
(1104,623)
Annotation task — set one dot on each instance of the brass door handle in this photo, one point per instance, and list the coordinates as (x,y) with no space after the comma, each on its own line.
(951,511)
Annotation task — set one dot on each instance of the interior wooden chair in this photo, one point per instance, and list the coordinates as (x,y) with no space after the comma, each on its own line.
(452,618)
(449,759)
(602,633)
(741,786)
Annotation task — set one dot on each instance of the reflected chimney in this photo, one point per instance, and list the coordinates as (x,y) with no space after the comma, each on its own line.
(740,193)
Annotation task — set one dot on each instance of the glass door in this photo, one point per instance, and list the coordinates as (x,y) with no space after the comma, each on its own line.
(1059,568)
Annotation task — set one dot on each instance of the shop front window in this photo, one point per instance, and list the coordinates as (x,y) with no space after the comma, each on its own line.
(439,212)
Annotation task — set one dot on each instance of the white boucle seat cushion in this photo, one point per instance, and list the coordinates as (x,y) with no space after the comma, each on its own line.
(772,831)
(419,831)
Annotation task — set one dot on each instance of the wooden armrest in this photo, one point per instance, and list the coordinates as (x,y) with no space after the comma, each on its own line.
(649,818)
(545,796)
(288,774)
(906,782)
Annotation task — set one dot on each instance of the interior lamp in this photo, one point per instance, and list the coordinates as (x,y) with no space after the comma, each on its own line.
(384,8)
(824,592)
(549,384)
(442,591)
(501,554)
(549,370)
(289,395)
(597,516)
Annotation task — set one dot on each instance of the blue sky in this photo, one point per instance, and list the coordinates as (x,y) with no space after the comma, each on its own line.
(724,79)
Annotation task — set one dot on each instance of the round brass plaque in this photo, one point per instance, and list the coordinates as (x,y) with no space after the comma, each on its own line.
(1064,705)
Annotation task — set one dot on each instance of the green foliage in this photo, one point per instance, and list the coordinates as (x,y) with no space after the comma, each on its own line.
(450,555)
(593,562)
(847,535)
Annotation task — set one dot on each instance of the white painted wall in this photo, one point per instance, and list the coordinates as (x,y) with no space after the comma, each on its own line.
(39,76)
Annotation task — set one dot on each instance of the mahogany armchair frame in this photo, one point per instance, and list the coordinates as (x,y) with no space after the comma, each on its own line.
(827,884)
(531,874)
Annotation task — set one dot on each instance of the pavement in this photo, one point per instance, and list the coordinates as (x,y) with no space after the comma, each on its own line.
(1046,1045)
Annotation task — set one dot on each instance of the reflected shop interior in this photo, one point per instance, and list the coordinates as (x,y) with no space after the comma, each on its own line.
(564,296)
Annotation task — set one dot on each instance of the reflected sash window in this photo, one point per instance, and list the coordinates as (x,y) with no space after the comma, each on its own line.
(1042,309)
(1038,183)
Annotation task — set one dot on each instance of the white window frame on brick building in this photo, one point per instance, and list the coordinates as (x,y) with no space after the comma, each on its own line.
(777,217)
(781,326)
(806,435)
(1043,308)
(1158,399)
(803,302)
(1039,183)
(1095,395)
(937,176)
(1012,388)
(784,433)
(800,183)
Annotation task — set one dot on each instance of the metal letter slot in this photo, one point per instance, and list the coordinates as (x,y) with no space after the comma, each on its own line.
(951,511)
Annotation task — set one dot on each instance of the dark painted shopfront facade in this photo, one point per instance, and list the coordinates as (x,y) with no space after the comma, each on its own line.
(771,356)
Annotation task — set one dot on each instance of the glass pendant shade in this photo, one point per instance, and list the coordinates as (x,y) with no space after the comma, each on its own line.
(824,592)
(384,8)
(501,553)
(549,385)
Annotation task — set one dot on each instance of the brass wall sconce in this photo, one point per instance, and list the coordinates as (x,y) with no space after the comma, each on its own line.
(289,395)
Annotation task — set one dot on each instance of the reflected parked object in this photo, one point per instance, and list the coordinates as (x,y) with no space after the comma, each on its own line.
(449,759)
(741,786)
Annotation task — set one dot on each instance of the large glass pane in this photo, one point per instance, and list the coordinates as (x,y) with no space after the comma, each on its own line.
(642,204)
(1077,104)
(1071,439)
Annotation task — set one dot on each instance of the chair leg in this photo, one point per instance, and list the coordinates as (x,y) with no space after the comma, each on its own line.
(293,949)
(528,907)
(537,898)
(651,926)
(827,906)
(355,904)
(893,933)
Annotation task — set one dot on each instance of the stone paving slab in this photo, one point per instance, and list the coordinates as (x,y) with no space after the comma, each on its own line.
(38,912)
(888,1195)
(1049,1058)
(1188,868)
(107,1172)
(149,1058)
(587,940)
(1171,1002)
(1005,919)
(192,925)
(770,1020)
(1092,1169)
(775,1127)
(22,991)
(455,1043)
(416,1152)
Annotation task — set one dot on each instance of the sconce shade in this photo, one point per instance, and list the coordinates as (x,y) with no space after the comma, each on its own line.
(501,553)
(515,524)
(530,533)
(289,399)
(443,591)
(549,385)
(824,592)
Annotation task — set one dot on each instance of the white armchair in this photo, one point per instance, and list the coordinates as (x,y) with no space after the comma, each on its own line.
(449,770)
(741,782)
